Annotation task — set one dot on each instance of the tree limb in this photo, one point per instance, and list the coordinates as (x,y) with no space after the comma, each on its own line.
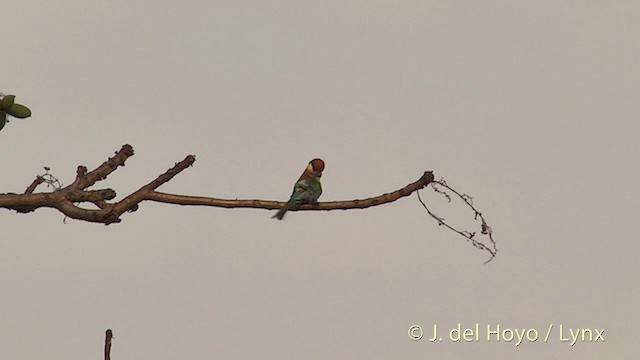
(65,199)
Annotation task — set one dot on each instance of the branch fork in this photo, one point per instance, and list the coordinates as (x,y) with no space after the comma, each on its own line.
(65,199)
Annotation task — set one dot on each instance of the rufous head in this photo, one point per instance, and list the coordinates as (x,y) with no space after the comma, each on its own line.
(315,167)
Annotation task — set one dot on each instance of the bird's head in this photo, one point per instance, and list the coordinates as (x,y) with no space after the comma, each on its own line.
(315,167)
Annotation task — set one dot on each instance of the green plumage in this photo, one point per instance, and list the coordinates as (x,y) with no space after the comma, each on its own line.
(307,190)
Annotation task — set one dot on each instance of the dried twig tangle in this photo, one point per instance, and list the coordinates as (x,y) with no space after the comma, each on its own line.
(485,229)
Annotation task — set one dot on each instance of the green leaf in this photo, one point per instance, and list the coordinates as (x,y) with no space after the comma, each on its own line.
(6,102)
(19,111)
(3,119)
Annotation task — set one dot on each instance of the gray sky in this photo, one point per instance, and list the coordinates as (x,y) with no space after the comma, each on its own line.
(532,108)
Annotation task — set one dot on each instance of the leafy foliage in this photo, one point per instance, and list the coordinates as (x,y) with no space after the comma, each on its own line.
(8,106)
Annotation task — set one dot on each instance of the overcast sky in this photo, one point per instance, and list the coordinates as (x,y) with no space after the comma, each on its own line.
(531,108)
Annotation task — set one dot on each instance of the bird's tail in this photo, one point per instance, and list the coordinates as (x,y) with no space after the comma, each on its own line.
(280,214)
(291,204)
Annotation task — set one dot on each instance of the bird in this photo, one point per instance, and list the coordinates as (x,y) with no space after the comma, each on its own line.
(307,189)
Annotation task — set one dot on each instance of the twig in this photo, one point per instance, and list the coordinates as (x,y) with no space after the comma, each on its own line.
(484,227)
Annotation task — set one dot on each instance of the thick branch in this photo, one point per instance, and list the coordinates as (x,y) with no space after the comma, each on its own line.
(67,199)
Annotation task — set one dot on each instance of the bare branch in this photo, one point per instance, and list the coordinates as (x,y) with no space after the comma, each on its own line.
(424,180)
(67,199)
(39,180)
(84,179)
(131,202)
